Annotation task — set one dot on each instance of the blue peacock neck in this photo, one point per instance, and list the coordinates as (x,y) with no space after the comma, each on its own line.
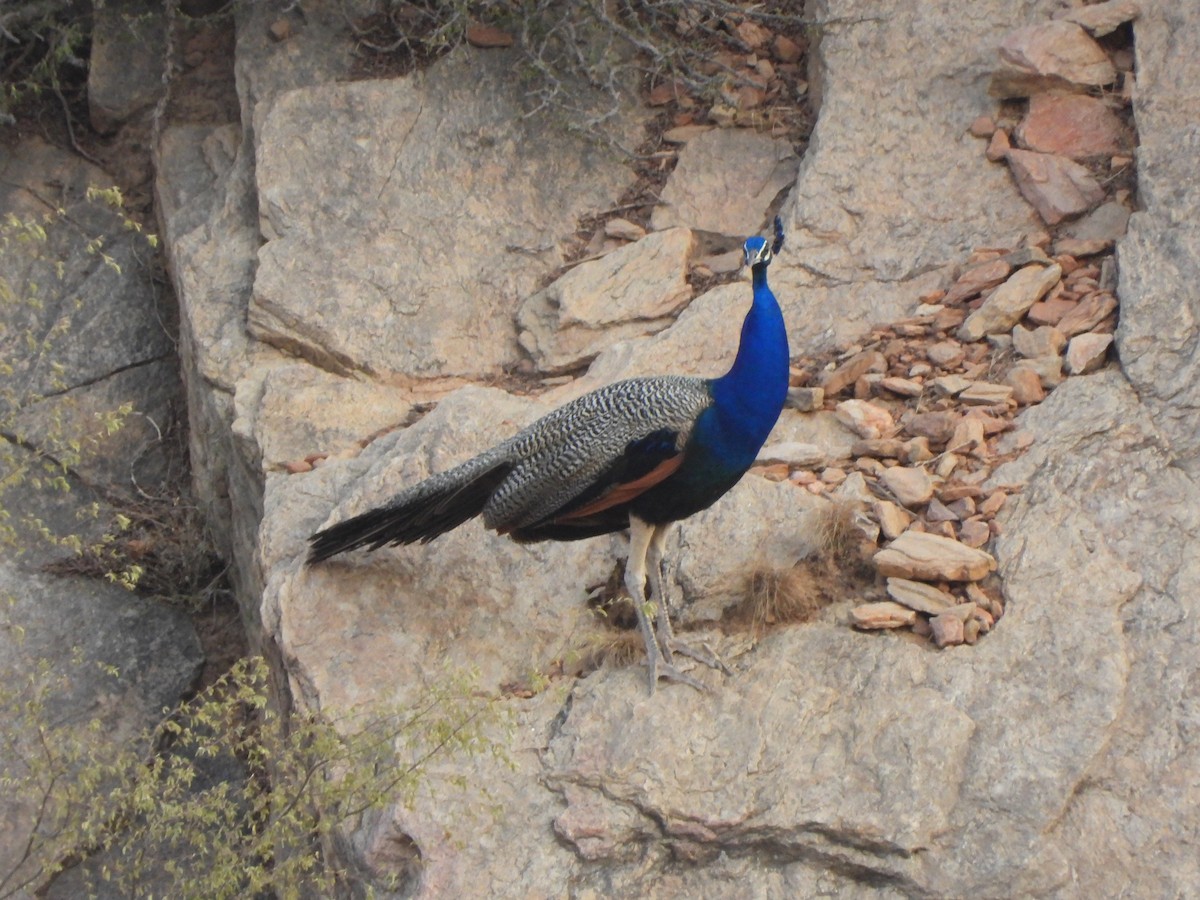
(749,397)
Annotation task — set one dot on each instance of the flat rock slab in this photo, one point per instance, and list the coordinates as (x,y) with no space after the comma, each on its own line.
(725,182)
(628,293)
(407,219)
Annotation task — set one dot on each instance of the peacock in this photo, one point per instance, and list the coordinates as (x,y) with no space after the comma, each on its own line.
(639,454)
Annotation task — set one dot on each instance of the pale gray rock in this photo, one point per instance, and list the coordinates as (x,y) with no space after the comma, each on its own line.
(1109,517)
(125,64)
(628,293)
(1160,256)
(110,656)
(1107,222)
(1005,306)
(867,232)
(706,193)
(431,224)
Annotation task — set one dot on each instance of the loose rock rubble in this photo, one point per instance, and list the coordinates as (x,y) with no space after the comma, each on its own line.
(934,396)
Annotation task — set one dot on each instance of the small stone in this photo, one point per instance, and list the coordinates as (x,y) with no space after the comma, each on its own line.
(805,399)
(917,450)
(1057,187)
(793,453)
(295,467)
(1050,311)
(946,465)
(947,630)
(752,34)
(971,629)
(881,448)
(666,92)
(892,518)
(884,614)
(950,385)
(937,511)
(974,533)
(968,436)
(902,386)
(1077,247)
(281,29)
(774,471)
(1048,369)
(1042,341)
(1087,314)
(850,371)
(920,596)
(1005,306)
(1087,352)
(963,508)
(723,263)
(1026,386)
(832,475)
(983,126)
(624,230)
(1107,222)
(998,146)
(993,503)
(929,557)
(945,354)
(978,278)
(785,49)
(986,394)
(485,36)
(864,418)
(938,427)
(910,486)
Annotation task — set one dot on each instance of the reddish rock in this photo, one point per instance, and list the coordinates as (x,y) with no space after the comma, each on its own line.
(947,629)
(785,49)
(983,126)
(1050,55)
(998,146)
(486,36)
(978,278)
(938,427)
(993,503)
(864,418)
(1073,125)
(1087,313)
(885,614)
(850,371)
(1026,386)
(910,486)
(945,354)
(752,34)
(920,556)
(1055,186)
(1050,311)
(1087,352)
(1078,247)
(1041,341)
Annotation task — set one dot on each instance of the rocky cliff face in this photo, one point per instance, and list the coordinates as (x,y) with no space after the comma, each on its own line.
(357,251)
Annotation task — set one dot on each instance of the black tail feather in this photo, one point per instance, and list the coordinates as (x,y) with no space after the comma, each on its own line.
(424,517)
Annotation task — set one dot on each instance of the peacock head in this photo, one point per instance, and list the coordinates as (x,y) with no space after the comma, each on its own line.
(758,251)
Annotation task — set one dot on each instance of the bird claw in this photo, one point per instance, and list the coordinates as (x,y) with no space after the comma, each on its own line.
(660,668)
(704,655)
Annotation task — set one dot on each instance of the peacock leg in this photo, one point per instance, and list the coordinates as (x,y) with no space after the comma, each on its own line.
(640,536)
(666,634)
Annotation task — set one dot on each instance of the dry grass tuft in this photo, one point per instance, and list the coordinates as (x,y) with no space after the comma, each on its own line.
(777,597)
